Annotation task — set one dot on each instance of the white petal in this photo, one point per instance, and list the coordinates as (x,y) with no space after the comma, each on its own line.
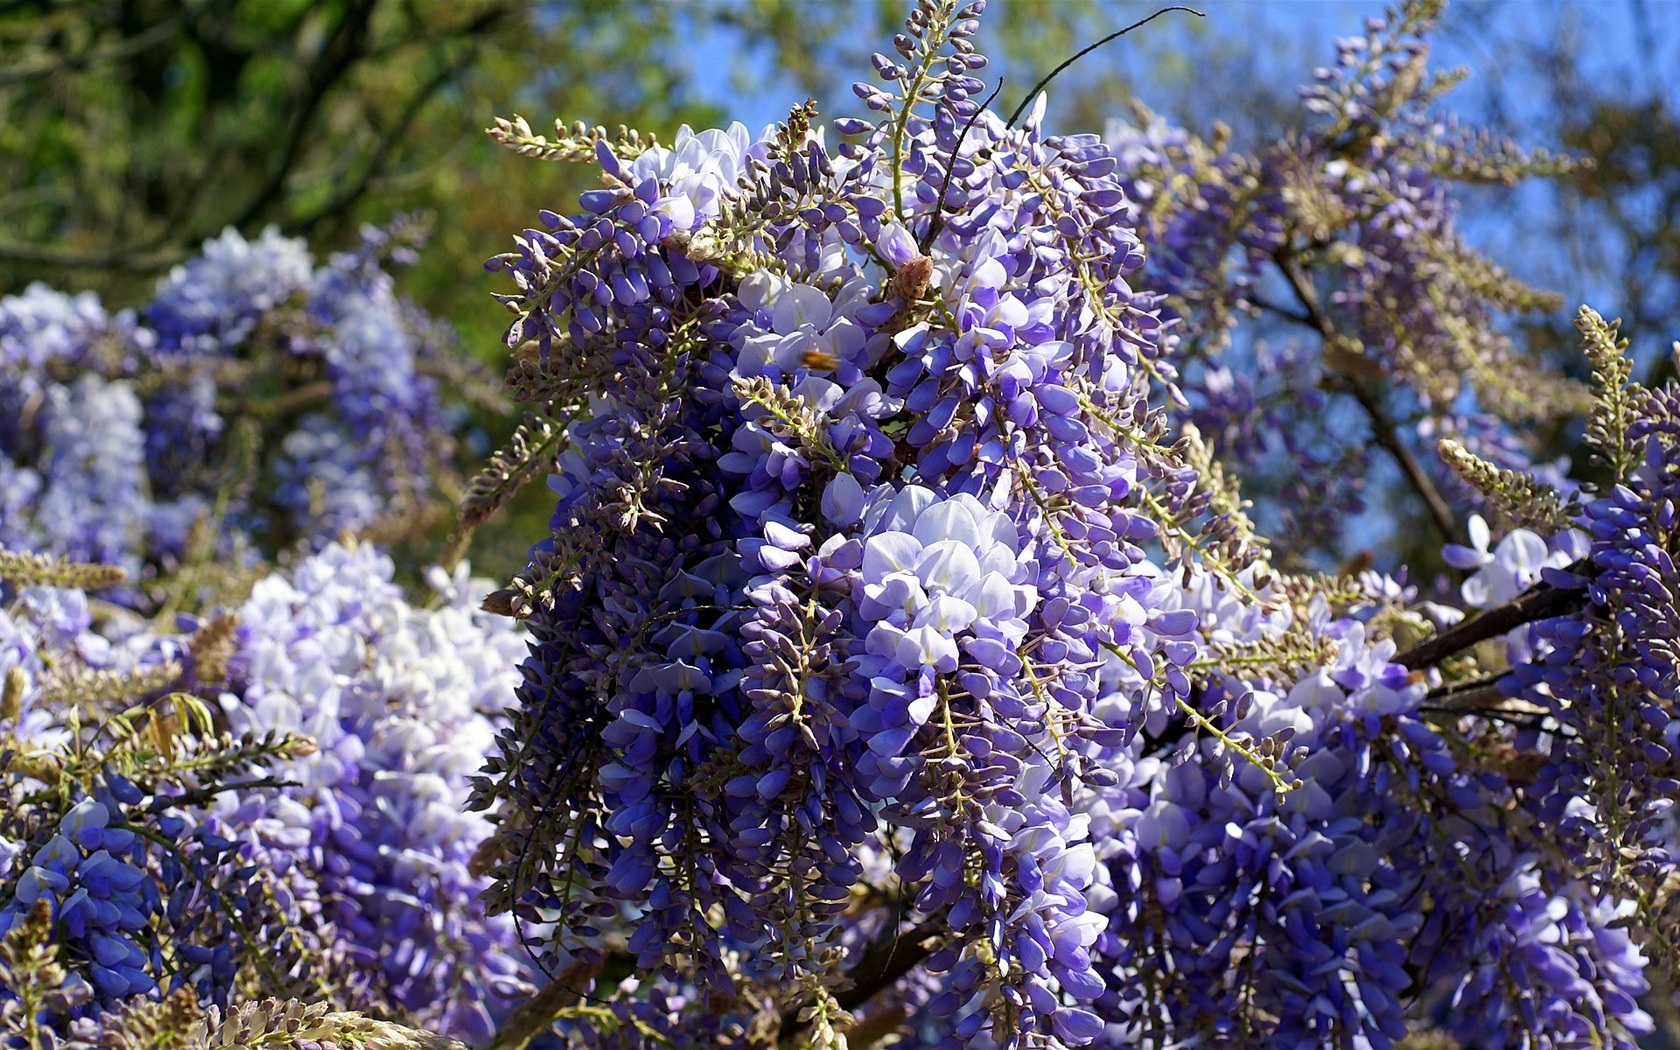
(1479,535)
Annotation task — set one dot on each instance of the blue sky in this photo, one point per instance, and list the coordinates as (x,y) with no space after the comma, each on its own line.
(1298,33)
(1632,45)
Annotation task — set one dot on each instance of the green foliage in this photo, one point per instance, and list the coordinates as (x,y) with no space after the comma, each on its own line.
(177,1023)
(576,144)
(1633,191)
(290,1025)
(122,117)
(1228,534)
(530,451)
(30,972)
(131,130)
(145,1024)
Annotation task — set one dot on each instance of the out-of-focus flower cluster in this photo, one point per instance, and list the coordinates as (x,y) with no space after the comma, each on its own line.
(267,802)
(256,395)
(901,667)
(262,792)
(1327,296)
(401,704)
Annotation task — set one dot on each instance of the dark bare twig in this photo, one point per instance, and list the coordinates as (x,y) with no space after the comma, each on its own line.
(938,220)
(1036,88)
(1482,698)
(538,1012)
(886,960)
(1463,694)
(1540,602)
(1382,427)
(202,795)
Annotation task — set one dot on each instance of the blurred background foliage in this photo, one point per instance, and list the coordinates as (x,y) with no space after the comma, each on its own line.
(131,130)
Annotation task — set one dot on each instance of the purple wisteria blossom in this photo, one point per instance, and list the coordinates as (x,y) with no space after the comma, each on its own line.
(337,857)
(880,606)
(126,434)
(901,664)
(1326,295)
(402,706)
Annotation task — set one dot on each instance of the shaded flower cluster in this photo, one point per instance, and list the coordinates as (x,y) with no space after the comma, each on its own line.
(1607,674)
(319,845)
(255,392)
(1345,233)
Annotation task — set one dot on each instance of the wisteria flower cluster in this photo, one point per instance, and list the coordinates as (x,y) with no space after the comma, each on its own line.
(1330,304)
(271,803)
(902,665)
(1606,673)
(401,706)
(256,395)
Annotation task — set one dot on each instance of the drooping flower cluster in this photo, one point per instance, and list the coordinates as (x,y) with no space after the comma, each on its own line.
(1607,672)
(401,705)
(1345,232)
(789,577)
(78,844)
(103,901)
(71,447)
(255,392)
(320,846)
(903,663)
(878,610)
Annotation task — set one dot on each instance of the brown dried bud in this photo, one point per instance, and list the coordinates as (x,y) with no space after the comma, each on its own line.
(508,601)
(907,285)
(911,280)
(11,695)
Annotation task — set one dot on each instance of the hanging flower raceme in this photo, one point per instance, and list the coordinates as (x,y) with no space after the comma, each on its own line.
(256,400)
(320,846)
(882,606)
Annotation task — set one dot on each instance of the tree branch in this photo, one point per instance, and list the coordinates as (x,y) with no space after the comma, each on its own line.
(538,1012)
(1282,311)
(335,57)
(882,964)
(1540,602)
(1382,427)
(349,194)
